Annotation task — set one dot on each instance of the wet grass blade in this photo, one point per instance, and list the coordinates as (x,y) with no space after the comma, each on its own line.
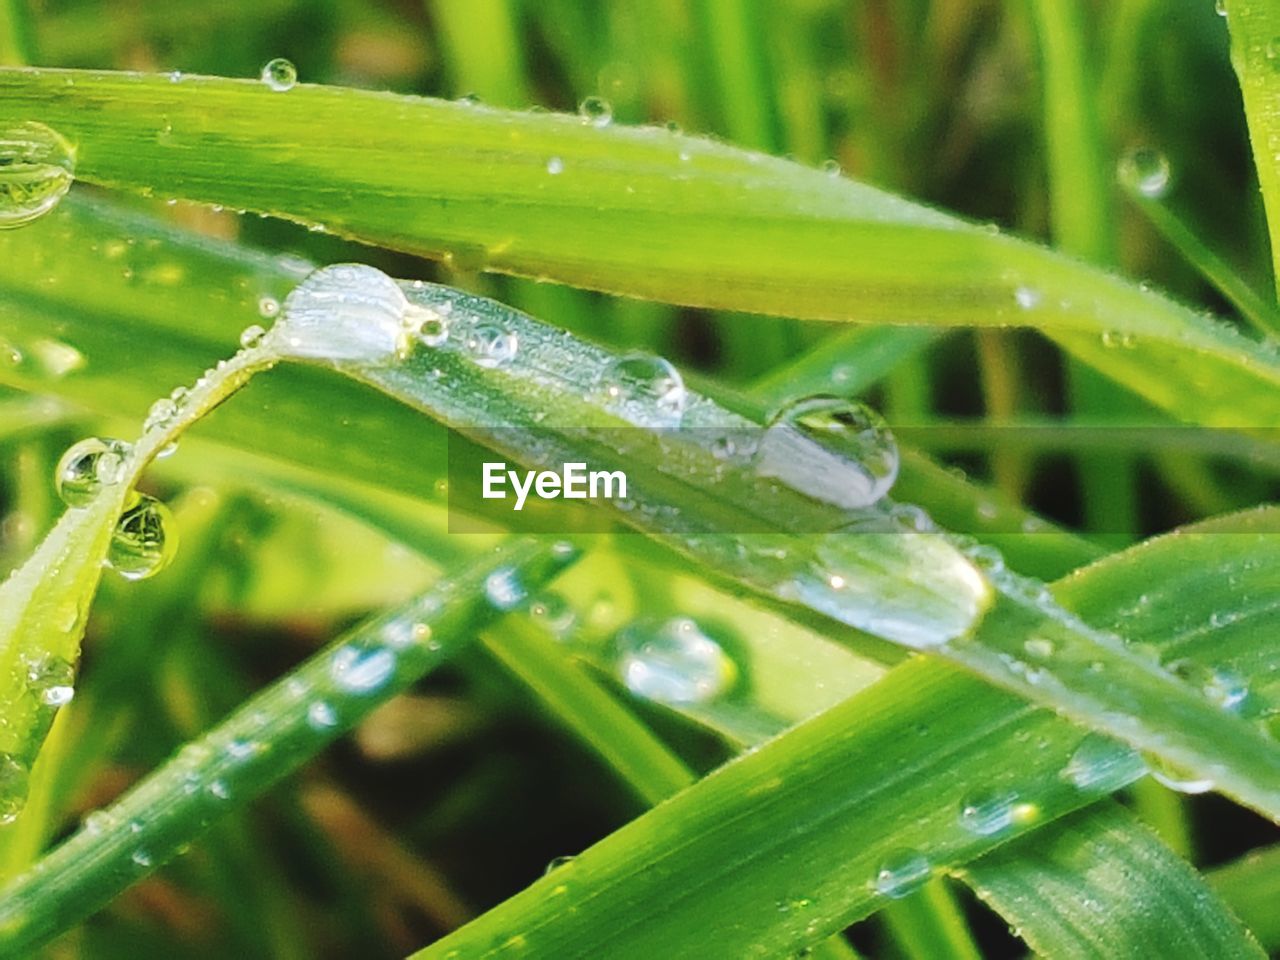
(811,831)
(1099,883)
(620,209)
(262,741)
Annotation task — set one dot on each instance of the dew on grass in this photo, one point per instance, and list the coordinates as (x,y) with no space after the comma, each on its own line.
(902,873)
(360,670)
(596,111)
(503,589)
(491,345)
(1147,172)
(673,661)
(15,781)
(832,449)
(1102,765)
(988,812)
(643,389)
(279,74)
(37,167)
(51,680)
(87,467)
(143,541)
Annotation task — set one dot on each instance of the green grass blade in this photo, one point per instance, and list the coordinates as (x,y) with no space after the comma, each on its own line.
(1099,883)
(725,228)
(928,925)
(1255,25)
(789,839)
(1251,886)
(262,741)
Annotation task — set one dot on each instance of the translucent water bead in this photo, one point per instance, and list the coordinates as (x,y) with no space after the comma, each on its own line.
(143,541)
(673,661)
(346,312)
(832,449)
(37,166)
(643,389)
(87,467)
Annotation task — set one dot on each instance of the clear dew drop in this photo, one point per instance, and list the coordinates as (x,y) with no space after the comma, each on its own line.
(902,873)
(596,111)
(1220,7)
(15,781)
(434,327)
(161,415)
(268,307)
(1176,777)
(37,167)
(348,311)
(360,670)
(51,680)
(1102,765)
(673,661)
(1147,172)
(552,612)
(87,467)
(555,166)
(279,74)
(490,345)
(642,388)
(143,541)
(252,335)
(321,715)
(832,449)
(988,813)
(141,858)
(503,589)
(557,863)
(1027,297)
(99,823)
(1220,686)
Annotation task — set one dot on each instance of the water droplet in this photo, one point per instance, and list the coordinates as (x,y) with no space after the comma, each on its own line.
(554,614)
(99,823)
(252,335)
(1220,7)
(1118,338)
(1039,647)
(902,873)
(1223,687)
(268,307)
(490,345)
(279,74)
(1176,777)
(143,541)
(433,330)
(504,589)
(321,716)
(1102,765)
(348,311)
(1027,297)
(141,858)
(833,450)
(161,415)
(642,388)
(1147,172)
(56,359)
(87,467)
(51,680)
(36,169)
(15,781)
(557,862)
(988,813)
(555,166)
(831,168)
(673,661)
(361,669)
(220,790)
(596,111)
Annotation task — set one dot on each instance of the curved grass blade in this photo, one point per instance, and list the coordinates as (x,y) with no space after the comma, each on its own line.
(793,840)
(269,736)
(629,210)
(1251,887)
(44,604)
(863,568)
(1099,883)
(1254,27)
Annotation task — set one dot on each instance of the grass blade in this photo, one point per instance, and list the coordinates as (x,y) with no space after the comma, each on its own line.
(262,741)
(1099,883)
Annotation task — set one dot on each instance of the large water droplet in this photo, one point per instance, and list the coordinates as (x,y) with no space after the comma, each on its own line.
(1102,765)
(596,111)
(833,450)
(280,74)
(902,873)
(36,169)
(491,345)
(51,680)
(988,813)
(1146,171)
(361,669)
(15,781)
(504,589)
(348,311)
(87,467)
(552,612)
(673,661)
(321,716)
(143,541)
(643,389)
